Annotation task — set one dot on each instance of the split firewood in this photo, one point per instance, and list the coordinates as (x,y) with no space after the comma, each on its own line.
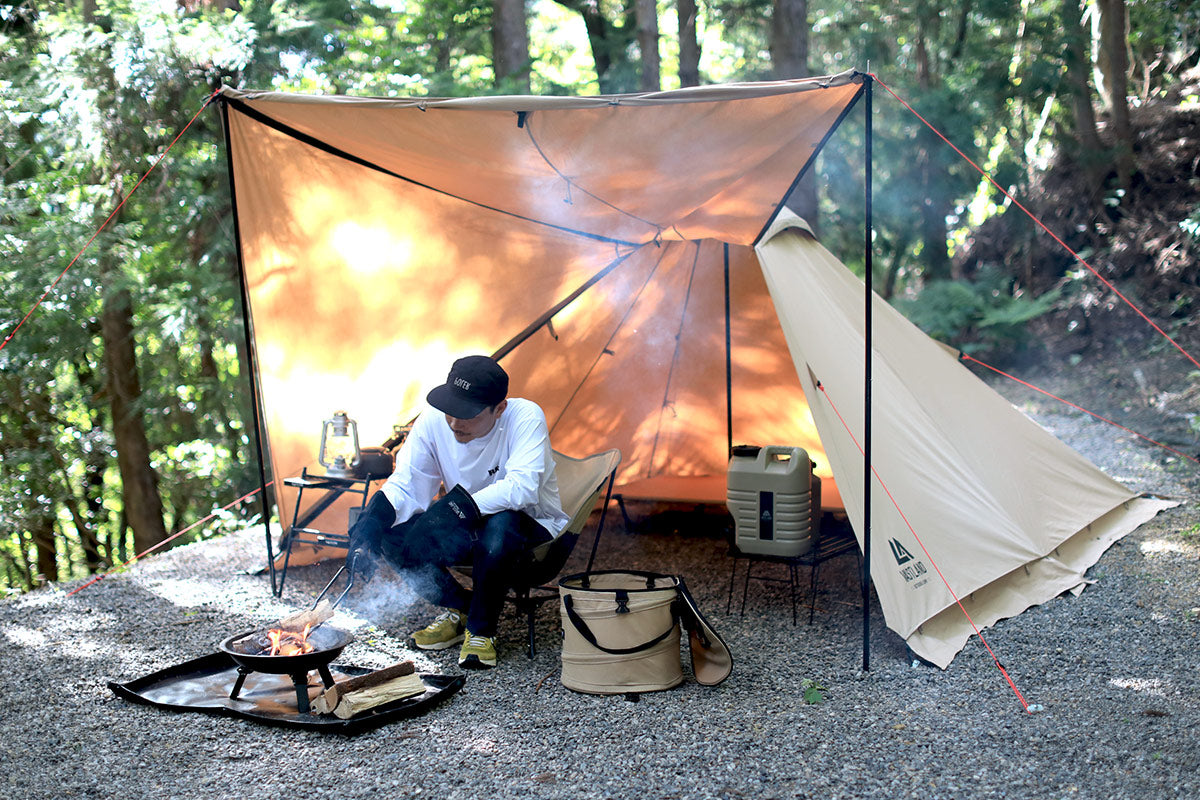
(402,674)
(354,703)
(311,618)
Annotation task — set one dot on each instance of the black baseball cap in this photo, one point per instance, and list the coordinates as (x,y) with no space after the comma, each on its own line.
(474,383)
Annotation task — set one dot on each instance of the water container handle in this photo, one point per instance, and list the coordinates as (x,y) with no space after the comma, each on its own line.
(772,451)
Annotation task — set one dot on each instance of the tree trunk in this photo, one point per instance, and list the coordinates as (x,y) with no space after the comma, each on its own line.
(510,44)
(934,205)
(1112,58)
(1075,59)
(139,484)
(609,41)
(689,45)
(789,39)
(647,35)
(898,249)
(789,59)
(42,534)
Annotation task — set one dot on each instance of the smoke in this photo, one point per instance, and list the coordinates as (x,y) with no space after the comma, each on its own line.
(386,601)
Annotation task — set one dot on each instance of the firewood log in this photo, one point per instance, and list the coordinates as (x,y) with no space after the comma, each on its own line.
(312,617)
(328,700)
(357,702)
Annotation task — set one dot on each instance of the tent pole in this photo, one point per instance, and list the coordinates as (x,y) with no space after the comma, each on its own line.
(728,364)
(866,562)
(251,358)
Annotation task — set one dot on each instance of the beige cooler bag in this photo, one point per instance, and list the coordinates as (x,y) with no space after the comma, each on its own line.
(621,633)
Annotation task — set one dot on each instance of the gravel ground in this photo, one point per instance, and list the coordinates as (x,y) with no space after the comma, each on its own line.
(1113,668)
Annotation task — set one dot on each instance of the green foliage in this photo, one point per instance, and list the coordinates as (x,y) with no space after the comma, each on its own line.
(811,692)
(976,316)
(94,101)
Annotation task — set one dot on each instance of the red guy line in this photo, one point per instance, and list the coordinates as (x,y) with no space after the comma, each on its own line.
(104,224)
(966,357)
(1042,225)
(170,538)
(937,569)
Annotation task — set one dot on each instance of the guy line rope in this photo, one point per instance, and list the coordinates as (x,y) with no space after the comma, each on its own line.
(104,224)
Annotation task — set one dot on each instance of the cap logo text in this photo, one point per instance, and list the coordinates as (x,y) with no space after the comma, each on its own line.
(463,384)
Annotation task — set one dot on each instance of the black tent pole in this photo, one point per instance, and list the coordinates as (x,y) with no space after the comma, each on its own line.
(251,358)
(728,364)
(866,562)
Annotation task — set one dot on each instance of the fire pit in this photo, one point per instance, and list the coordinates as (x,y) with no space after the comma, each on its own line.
(286,653)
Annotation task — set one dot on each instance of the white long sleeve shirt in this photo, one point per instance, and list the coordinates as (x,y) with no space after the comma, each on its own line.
(510,467)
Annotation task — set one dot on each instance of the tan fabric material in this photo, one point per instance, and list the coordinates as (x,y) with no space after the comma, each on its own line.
(987,491)
(364,286)
(581,482)
(940,638)
(641,625)
(381,239)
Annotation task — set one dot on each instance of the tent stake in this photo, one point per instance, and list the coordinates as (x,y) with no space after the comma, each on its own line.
(866,562)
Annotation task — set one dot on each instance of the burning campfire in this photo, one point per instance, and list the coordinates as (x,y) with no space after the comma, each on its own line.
(288,643)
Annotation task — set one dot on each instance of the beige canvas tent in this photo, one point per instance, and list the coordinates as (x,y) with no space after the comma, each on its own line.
(594,245)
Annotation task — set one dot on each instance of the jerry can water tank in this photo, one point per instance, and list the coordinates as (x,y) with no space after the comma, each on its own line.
(774,499)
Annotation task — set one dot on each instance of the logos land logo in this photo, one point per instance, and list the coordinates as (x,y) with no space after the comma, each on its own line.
(900,552)
(914,569)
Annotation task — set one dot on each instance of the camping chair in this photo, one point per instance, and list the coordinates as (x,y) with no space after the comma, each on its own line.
(580,481)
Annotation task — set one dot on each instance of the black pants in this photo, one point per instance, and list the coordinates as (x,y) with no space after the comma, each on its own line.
(422,553)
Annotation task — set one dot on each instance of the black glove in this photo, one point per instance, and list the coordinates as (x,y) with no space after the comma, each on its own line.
(460,503)
(361,563)
(366,535)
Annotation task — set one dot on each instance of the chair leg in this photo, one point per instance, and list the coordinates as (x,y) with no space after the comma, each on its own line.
(812,591)
(624,513)
(732,577)
(746,585)
(793,579)
(530,611)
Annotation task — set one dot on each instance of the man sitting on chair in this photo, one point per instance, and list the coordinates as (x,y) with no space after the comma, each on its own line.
(492,454)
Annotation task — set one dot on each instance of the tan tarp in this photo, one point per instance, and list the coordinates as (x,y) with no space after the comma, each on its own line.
(365,282)
(969,489)
(383,238)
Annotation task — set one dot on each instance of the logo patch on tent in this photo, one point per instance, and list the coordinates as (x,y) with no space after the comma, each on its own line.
(913,570)
(900,552)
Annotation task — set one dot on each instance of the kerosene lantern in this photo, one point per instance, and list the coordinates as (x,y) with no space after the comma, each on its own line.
(340,454)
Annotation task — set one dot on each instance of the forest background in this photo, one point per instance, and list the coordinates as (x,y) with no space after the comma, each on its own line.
(126,404)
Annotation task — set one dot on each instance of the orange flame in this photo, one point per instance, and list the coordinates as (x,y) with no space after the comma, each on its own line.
(289,643)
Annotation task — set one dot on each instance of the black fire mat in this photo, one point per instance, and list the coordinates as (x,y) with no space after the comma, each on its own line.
(203,684)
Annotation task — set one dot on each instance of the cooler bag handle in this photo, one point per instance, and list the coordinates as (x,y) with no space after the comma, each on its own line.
(586,632)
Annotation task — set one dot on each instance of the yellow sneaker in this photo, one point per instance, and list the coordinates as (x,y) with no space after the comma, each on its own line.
(443,632)
(478,652)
